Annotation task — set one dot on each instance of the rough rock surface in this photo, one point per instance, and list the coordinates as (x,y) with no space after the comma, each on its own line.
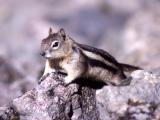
(52,100)
(138,101)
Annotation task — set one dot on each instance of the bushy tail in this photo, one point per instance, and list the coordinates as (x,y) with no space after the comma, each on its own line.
(129,68)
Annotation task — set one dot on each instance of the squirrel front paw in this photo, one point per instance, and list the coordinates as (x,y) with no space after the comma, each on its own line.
(68,80)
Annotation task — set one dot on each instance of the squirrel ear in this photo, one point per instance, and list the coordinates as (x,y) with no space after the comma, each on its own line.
(62,33)
(50,31)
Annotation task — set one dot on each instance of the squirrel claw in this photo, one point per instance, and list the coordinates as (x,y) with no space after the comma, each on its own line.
(43,78)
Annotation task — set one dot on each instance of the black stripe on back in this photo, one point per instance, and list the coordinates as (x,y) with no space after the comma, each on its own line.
(101,53)
(96,63)
(100,64)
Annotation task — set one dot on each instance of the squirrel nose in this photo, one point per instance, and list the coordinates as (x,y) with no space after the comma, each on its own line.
(43,53)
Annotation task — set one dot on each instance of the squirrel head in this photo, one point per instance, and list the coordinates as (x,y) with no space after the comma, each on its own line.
(56,45)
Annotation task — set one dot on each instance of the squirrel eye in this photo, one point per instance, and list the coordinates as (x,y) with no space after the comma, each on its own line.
(55,44)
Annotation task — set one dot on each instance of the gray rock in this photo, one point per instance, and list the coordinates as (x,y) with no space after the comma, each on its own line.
(138,101)
(8,113)
(52,100)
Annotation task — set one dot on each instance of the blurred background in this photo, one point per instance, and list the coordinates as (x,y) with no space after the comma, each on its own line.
(128,29)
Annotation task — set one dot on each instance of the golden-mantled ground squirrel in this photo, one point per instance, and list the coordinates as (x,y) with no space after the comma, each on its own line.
(78,60)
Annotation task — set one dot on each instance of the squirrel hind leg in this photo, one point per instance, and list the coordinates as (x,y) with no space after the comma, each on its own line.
(121,80)
(126,81)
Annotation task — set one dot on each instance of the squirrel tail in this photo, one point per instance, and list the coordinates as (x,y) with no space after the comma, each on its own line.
(129,68)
